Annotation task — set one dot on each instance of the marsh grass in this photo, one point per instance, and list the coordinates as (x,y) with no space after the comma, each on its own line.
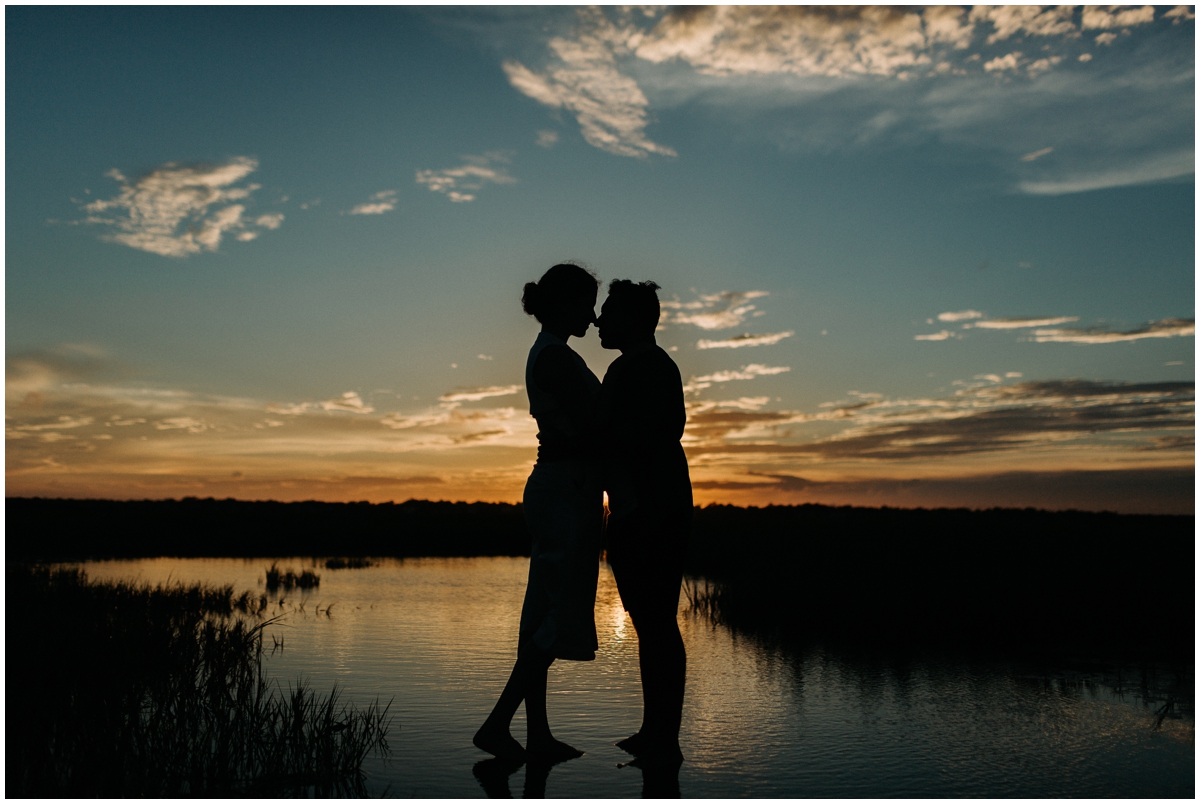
(286,579)
(348,563)
(116,689)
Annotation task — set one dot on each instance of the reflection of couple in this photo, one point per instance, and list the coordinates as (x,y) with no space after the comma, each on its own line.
(621,437)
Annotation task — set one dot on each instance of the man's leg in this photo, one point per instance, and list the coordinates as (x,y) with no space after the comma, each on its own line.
(663,663)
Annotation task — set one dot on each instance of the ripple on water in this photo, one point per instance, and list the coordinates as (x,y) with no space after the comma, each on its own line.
(438,636)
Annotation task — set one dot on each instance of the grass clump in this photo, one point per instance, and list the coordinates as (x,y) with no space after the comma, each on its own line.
(287,580)
(118,690)
(348,563)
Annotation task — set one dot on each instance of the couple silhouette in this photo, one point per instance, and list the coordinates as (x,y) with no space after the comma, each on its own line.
(621,436)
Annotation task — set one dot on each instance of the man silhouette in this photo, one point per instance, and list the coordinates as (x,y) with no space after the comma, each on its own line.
(650,502)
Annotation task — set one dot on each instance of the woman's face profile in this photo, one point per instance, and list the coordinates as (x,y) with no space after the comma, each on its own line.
(578,315)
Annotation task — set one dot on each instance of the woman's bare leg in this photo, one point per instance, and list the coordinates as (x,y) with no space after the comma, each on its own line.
(539,742)
(527,683)
(494,735)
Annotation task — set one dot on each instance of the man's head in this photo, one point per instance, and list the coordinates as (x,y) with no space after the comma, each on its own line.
(629,315)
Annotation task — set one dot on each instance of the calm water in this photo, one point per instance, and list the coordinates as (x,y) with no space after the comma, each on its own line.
(438,636)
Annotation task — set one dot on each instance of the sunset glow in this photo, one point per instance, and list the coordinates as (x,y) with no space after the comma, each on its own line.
(909,257)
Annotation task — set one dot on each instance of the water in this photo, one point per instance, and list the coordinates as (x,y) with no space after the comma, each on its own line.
(438,636)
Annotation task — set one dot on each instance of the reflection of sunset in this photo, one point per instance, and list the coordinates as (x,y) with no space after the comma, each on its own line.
(437,636)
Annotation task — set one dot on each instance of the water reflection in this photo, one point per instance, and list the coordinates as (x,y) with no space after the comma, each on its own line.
(439,635)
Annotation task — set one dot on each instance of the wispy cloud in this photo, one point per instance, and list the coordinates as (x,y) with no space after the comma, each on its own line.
(583,78)
(1166,328)
(723,310)
(884,41)
(476,394)
(1019,323)
(547,138)
(945,334)
(1127,490)
(1116,16)
(992,78)
(744,373)
(178,210)
(962,315)
(72,430)
(1137,169)
(742,403)
(381,202)
(738,341)
(981,419)
(349,402)
(476,172)
(1036,155)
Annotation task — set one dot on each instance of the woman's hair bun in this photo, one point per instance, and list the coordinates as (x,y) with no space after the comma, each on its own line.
(560,285)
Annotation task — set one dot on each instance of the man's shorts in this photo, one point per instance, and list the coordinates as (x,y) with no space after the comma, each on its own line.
(646,554)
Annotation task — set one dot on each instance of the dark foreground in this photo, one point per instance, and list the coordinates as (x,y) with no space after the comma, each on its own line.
(1004,580)
(116,690)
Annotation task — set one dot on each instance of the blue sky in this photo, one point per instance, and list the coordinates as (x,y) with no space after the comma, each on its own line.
(284,247)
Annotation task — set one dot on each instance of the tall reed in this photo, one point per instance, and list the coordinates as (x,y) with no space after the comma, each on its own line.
(116,689)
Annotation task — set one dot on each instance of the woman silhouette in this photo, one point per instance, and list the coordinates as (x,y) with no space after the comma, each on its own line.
(564,511)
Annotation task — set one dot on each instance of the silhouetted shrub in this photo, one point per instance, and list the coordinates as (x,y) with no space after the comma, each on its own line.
(121,690)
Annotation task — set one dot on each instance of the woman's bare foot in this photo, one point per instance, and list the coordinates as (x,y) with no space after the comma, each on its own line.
(551,750)
(499,743)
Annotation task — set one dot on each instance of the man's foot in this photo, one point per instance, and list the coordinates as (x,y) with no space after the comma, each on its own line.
(551,751)
(499,743)
(661,755)
(633,744)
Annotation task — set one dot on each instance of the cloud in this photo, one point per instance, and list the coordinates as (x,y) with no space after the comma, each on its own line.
(1131,491)
(1038,154)
(349,402)
(61,423)
(1007,62)
(381,202)
(1146,169)
(1007,21)
(962,315)
(697,409)
(583,78)
(977,420)
(90,437)
(805,41)
(744,373)
(723,310)
(739,341)
(476,394)
(473,175)
(179,210)
(1106,38)
(1116,16)
(1166,328)
(936,336)
(853,77)
(1180,13)
(1018,323)
(192,425)
(547,138)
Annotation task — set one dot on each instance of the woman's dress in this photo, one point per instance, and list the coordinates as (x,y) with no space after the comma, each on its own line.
(563,504)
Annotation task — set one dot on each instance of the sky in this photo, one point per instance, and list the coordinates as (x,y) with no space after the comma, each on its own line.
(909,256)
